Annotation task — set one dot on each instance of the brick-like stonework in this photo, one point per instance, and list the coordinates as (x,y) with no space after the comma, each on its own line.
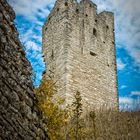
(79,51)
(20,118)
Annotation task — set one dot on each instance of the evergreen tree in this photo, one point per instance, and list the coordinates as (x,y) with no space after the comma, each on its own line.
(77,112)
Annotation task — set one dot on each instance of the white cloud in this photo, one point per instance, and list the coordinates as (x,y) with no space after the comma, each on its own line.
(123,87)
(30,45)
(120,64)
(126,103)
(27,35)
(127,23)
(31,8)
(125,100)
(127,19)
(135,93)
(129,103)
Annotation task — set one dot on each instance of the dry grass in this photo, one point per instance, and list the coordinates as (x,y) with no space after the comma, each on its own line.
(112,125)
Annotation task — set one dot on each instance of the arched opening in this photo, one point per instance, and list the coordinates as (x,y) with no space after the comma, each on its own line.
(66,4)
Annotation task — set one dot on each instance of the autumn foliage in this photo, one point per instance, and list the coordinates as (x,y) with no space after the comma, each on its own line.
(51,109)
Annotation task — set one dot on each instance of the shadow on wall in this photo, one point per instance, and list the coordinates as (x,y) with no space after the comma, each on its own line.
(20,117)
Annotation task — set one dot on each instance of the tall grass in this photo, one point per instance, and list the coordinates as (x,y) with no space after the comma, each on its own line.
(108,125)
(113,125)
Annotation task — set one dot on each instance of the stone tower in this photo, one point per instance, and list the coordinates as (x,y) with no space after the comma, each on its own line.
(79,51)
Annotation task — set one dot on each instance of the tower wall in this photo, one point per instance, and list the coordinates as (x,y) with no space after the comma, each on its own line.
(84,52)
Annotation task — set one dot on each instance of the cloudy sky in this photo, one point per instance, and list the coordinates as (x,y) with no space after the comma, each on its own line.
(31,14)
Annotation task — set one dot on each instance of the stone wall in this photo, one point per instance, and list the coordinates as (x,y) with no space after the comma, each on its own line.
(79,50)
(20,117)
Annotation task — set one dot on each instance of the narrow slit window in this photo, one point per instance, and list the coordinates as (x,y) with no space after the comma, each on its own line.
(94,32)
(52,56)
(46,29)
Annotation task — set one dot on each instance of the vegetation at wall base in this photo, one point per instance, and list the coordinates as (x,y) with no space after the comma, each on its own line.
(72,123)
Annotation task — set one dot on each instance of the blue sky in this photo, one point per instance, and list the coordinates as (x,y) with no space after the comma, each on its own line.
(31,14)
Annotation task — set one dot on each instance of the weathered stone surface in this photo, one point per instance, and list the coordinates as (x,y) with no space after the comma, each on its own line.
(79,50)
(20,117)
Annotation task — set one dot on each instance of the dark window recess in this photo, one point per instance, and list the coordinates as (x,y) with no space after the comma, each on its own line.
(95,20)
(66,4)
(46,29)
(86,15)
(77,10)
(57,9)
(52,56)
(107,27)
(104,42)
(83,25)
(92,53)
(94,32)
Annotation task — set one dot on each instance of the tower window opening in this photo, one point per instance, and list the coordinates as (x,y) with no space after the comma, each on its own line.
(92,53)
(77,10)
(94,32)
(46,29)
(57,9)
(95,20)
(107,27)
(86,15)
(52,55)
(66,4)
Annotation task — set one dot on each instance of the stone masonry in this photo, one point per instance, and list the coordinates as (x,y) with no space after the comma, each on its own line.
(20,118)
(79,51)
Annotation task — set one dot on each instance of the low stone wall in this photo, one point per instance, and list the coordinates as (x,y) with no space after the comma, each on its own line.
(20,117)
